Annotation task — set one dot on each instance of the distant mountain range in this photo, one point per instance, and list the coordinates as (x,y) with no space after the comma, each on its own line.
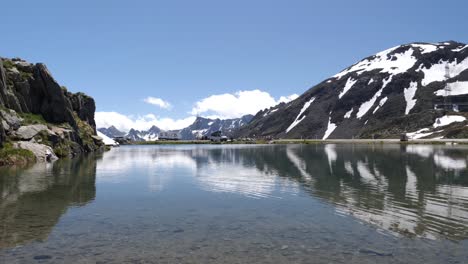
(111,132)
(149,135)
(205,126)
(399,90)
(202,127)
(418,89)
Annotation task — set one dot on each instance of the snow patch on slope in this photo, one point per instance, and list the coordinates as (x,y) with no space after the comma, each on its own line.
(330,128)
(381,103)
(421,133)
(460,49)
(425,48)
(409,95)
(348,86)
(298,117)
(436,73)
(394,64)
(348,114)
(366,106)
(107,140)
(456,88)
(447,120)
(151,137)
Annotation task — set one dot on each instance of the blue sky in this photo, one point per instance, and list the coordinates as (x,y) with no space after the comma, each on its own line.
(121,52)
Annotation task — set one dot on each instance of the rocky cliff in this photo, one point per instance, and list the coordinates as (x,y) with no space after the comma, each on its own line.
(35,109)
(399,90)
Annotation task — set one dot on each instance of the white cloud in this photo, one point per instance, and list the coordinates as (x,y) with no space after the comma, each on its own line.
(157,102)
(237,104)
(289,98)
(125,123)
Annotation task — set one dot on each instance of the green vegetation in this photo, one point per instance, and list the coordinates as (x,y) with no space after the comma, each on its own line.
(62,150)
(8,64)
(26,75)
(43,138)
(32,119)
(86,133)
(13,156)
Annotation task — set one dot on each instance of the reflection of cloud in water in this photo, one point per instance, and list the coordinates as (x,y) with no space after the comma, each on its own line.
(232,178)
(158,165)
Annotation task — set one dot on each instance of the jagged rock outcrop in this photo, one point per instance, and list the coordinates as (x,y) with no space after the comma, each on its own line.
(28,88)
(396,91)
(33,105)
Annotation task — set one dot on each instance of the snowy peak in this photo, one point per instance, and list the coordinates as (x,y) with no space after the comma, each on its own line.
(151,135)
(398,90)
(205,126)
(201,127)
(111,132)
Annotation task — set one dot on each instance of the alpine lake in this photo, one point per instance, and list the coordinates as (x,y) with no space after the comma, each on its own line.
(318,203)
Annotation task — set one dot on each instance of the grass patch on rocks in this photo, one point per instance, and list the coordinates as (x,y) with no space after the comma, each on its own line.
(14,156)
(32,119)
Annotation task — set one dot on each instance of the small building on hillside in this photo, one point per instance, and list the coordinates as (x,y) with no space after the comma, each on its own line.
(169,135)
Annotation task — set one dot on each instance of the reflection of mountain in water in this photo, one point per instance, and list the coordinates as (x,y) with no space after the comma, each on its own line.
(408,190)
(33,199)
(413,190)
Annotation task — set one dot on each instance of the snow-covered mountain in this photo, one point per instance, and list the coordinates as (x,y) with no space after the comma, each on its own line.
(201,127)
(205,126)
(150,135)
(111,132)
(396,91)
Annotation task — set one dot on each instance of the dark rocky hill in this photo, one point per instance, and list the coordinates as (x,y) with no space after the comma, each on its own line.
(39,115)
(393,92)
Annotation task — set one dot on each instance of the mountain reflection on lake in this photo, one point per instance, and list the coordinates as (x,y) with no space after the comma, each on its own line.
(238,203)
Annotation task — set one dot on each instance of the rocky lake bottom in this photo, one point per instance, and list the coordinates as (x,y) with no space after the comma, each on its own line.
(333,203)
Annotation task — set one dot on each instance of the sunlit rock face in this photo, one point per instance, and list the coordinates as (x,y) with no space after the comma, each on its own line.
(392,92)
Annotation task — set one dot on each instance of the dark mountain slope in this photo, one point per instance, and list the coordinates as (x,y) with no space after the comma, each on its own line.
(382,96)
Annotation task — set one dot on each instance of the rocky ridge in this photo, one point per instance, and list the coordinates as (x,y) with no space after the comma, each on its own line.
(38,114)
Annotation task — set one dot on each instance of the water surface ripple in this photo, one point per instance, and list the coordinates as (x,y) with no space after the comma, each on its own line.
(240,203)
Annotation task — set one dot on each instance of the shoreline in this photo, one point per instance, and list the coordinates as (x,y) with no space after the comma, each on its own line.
(463,141)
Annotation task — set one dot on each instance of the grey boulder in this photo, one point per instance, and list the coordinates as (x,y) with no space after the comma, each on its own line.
(39,150)
(28,132)
(11,119)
